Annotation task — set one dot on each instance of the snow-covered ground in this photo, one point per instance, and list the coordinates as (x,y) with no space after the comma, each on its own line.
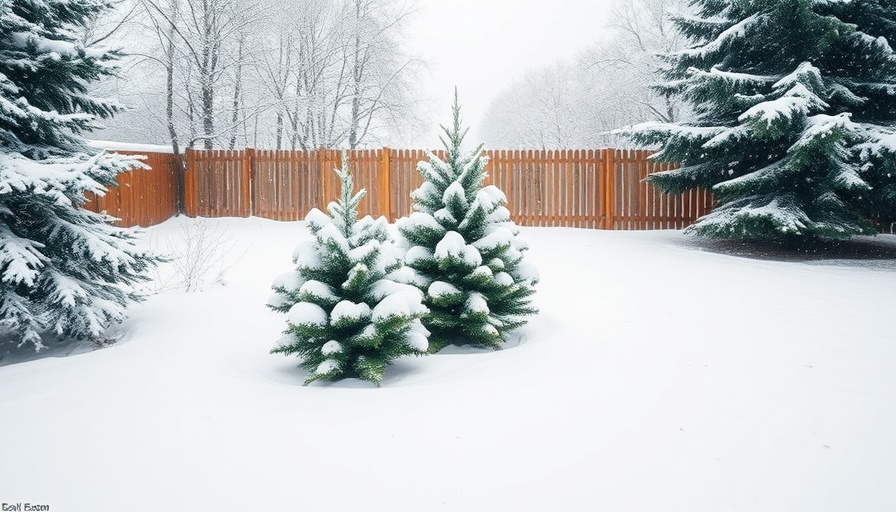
(659,375)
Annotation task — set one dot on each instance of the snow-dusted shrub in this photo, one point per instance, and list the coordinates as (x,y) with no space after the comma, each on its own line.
(347,313)
(465,250)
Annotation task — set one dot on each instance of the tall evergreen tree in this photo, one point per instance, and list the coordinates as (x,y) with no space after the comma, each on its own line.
(63,269)
(465,250)
(348,316)
(794,115)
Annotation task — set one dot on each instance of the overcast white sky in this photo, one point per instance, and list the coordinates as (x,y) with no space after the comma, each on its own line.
(483,45)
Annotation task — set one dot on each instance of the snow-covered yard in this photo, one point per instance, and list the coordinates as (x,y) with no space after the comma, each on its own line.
(659,375)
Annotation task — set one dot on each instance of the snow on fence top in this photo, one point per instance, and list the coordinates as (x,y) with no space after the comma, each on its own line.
(130,147)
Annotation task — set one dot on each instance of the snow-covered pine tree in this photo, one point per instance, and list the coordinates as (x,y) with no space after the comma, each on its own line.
(786,95)
(349,312)
(466,251)
(63,269)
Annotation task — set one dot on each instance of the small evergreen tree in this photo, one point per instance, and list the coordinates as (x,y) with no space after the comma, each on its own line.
(465,250)
(63,269)
(794,103)
(348,314)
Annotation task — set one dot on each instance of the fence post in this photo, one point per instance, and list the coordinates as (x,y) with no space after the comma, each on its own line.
(610,188)
(321,155)
(190,183)
(385,192)
(246,176)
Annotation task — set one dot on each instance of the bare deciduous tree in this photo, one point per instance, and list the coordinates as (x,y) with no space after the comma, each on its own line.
(642,31)
(301,74)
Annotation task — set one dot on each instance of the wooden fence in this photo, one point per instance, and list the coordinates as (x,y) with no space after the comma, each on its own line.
(601,189)
(584,188)
(142,197)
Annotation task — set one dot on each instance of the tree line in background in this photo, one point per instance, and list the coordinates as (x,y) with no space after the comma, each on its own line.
(316,73)
(580,100)
(296,75)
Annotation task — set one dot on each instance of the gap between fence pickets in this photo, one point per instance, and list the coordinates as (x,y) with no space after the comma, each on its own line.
(539,185)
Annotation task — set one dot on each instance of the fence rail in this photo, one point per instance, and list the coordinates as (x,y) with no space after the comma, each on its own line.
(601,189)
